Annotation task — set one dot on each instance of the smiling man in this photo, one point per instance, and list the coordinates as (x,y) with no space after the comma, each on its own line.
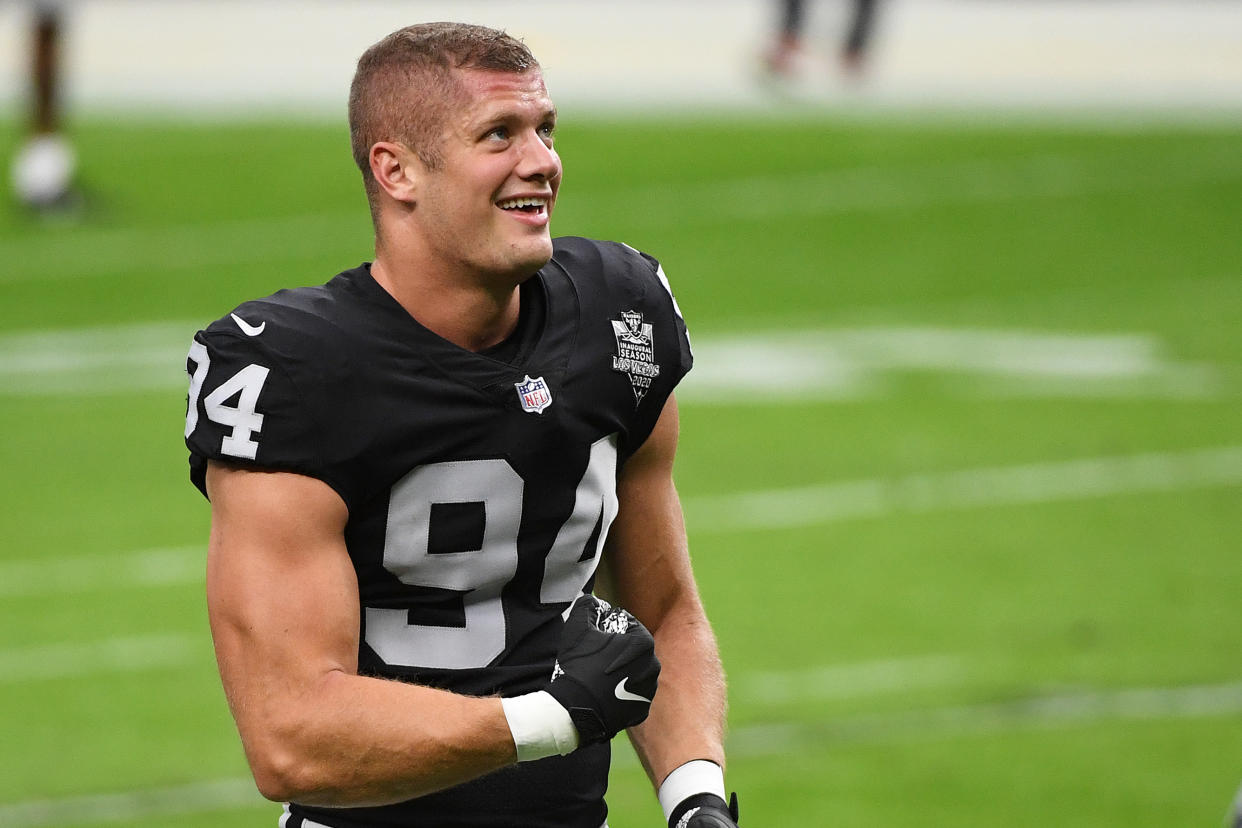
(421,471)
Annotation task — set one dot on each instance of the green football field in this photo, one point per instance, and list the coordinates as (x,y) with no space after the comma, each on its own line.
(961,457)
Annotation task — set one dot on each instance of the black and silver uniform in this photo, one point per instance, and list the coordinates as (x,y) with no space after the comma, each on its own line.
(480,486)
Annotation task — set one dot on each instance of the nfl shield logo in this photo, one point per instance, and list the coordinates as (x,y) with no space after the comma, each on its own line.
(534,394)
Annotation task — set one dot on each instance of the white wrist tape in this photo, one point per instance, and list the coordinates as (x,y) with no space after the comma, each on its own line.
(695,777)
(540,726)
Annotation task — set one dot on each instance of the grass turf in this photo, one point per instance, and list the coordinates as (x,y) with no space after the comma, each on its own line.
(1018,633)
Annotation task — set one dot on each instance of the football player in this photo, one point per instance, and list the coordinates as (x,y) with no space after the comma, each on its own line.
(421,471)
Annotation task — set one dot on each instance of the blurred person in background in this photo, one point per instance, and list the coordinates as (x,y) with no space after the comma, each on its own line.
(44,167)
(781,59)
(416,469)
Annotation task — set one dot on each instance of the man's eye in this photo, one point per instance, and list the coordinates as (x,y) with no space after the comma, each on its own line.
(500,133)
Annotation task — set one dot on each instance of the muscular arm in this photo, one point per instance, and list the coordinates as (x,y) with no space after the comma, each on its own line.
(283,603)
(649,569)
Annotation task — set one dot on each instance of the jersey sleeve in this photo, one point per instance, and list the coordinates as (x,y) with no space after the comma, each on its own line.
(685,353)
(251,401)
(630,312)
(670,346)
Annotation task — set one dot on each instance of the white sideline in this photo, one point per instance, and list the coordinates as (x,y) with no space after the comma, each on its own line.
(196,59)
(966,489)
(750,741)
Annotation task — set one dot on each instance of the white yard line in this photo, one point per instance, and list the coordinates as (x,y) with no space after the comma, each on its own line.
(82,362)
(842,681)
(1061,710)
(90,253)
(823,193)
(966,489)
(101,573)
(192,798)
(849,363)
(111,655)
(756,368)
(97,252)
(953,722)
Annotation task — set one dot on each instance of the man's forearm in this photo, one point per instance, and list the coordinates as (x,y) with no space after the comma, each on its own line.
(360,741)
(687,718)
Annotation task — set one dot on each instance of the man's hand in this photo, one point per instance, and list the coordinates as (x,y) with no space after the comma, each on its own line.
(705,811)
(606,670)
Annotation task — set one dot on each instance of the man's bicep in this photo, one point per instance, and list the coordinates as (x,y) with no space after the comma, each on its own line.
(282,595)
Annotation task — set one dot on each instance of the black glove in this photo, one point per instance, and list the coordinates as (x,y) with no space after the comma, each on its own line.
(704,811)
(606,670)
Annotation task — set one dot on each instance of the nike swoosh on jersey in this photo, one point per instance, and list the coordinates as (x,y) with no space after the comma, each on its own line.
(247,328)
(625,695)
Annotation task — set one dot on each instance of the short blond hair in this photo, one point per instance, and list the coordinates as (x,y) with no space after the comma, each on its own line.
(404,86)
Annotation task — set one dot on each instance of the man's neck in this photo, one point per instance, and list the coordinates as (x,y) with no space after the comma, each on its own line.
(473,314)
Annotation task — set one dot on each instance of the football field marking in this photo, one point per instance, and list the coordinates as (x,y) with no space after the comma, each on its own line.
(1032,483)
(102,572)
(759,368)
(128,806)
(853,363)
(1084,708)
(126,654)
(842,681)
(947,722)
(97,252)
(818,193)
(826,503)
(82,362)
(90,252)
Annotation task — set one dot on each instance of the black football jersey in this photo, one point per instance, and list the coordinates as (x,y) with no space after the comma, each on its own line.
(480,486)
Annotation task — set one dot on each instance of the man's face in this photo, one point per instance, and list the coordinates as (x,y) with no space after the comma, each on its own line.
(487,206)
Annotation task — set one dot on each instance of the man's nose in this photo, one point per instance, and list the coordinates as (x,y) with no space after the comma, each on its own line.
(539,160)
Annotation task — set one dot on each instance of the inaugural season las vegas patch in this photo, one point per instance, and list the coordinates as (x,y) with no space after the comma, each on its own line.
(635,352)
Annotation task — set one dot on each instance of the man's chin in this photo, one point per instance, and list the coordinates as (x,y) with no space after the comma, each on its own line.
(532,257)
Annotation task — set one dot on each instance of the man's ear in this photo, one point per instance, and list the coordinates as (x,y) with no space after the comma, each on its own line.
(397,170)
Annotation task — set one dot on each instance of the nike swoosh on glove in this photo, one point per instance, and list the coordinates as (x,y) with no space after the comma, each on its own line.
(606,670)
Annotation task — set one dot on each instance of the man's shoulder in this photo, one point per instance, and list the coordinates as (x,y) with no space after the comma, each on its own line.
(605,269)
(309,314)
(572,252)
(614,272)
(274,381)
